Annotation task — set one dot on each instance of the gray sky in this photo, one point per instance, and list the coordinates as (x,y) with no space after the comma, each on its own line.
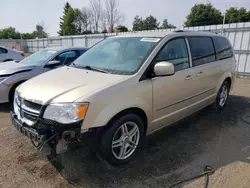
(25,14)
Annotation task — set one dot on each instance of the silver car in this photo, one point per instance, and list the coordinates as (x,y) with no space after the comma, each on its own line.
(12,74)
(7,54)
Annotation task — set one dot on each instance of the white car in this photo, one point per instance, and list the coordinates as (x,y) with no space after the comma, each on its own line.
(10,54)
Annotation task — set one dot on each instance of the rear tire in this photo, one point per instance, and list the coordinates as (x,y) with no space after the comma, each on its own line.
(121,139)
(222,97)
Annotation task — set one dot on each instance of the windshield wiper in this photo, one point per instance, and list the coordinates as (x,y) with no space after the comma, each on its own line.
(95,69)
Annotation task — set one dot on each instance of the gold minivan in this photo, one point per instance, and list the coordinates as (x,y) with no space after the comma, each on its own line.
(122,89)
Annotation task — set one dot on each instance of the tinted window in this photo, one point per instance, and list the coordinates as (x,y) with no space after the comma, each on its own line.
(223,48)
(176,53)
(82,51)
(202,50)
(3,51)
(67,57)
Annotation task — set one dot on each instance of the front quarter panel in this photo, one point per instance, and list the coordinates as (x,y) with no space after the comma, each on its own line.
(22,76)
(107,103)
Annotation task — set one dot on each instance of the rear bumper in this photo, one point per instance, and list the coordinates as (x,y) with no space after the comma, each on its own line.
(4,93)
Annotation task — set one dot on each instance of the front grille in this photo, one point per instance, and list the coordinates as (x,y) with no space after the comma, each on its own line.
(32,105)
(30,111)
(30,117)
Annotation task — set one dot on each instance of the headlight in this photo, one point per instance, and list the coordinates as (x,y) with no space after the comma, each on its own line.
(3,78)
(66,112)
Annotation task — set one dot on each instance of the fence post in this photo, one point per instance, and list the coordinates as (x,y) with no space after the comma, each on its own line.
(37,44)
(86,42)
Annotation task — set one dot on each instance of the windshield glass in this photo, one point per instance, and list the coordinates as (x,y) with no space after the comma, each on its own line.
(118,55)
(38,57)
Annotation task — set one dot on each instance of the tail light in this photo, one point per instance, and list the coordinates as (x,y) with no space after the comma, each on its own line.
(22,54)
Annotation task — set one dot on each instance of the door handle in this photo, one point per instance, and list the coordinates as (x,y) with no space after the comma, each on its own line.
(199,74)
(188,77)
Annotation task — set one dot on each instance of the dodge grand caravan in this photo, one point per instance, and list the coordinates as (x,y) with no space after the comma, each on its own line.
(122,89)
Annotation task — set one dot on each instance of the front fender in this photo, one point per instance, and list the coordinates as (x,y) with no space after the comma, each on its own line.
(117,106)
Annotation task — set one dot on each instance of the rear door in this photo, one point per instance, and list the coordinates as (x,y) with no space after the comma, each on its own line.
(206,70)
(3,53)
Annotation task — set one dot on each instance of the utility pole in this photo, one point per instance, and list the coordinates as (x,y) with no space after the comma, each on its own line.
(224,19)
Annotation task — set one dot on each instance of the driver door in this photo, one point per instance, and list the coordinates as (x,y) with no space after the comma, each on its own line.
(173,95)
(65,58)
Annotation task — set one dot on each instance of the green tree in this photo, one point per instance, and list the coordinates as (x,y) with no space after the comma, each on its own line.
(138,23)
(122,28)
(166,25)
(150,23)
(9,33)
(68,26)
(237,15)
(39,32)
(66,7)
(79,20)
(203,14)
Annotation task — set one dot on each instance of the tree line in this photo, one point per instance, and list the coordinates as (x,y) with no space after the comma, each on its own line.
(11,33)
(105,16)
(98,17)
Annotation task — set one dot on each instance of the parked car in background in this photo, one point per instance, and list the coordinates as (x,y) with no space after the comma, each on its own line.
(124,88)
(7,54)
(12,74)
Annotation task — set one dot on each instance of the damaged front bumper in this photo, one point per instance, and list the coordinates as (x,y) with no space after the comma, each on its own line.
(51,138)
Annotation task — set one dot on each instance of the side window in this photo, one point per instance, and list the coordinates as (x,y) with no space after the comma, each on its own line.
(202,50)
(3,51)
(67,57)
(175,52)
(223,48)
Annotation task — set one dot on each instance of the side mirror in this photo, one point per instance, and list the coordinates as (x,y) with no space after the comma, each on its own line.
(53,63)
(164,69)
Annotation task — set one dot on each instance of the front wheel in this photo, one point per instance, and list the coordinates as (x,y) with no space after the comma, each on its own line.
(121,139)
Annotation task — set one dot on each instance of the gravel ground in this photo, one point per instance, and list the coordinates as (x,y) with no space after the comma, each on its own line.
(221,140)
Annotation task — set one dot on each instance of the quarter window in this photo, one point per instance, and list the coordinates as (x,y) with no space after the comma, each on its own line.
(223,48)
(202,50)
(175,52)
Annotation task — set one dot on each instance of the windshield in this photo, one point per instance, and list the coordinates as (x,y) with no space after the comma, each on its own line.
(118,55)
(38,58)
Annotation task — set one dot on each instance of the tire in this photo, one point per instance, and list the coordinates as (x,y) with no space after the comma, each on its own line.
(8,60)
(222,96)
(121,139)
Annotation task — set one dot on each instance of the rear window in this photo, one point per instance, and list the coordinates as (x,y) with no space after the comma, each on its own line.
(202,50)
(223,48)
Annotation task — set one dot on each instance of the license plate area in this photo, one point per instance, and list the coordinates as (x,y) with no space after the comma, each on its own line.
(34,135)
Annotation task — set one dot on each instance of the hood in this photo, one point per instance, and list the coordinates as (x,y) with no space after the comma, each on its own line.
(65,84)
(11,67)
